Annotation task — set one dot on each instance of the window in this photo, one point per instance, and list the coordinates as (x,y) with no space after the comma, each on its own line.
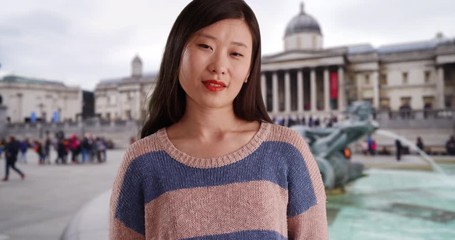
(406,101)
(367,79)
(405,78)
(384,104)
(383,79)
(449,101)
(128,114)
(405,108)
(428,102)
(111,100)
(427,76)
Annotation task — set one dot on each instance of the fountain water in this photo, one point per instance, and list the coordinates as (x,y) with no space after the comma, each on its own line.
(412,146)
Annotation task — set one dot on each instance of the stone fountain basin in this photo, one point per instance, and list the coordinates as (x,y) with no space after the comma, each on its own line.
(395,204)
(386,204)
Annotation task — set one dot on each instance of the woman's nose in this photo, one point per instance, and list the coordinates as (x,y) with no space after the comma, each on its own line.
(218,65)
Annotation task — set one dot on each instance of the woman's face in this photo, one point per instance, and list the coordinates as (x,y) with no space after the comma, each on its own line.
(216,63)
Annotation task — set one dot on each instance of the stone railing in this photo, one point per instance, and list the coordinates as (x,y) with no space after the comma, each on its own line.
(438,118)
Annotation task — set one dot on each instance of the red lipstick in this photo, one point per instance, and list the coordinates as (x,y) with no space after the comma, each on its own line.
(213,85)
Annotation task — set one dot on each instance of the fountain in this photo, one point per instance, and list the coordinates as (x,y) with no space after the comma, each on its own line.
(388,204)
(327,145)
(412,146)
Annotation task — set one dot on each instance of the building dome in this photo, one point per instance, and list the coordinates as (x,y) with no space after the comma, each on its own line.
(302,23)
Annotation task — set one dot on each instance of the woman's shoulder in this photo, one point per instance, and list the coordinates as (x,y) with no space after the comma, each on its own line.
(145,145)
(281,133)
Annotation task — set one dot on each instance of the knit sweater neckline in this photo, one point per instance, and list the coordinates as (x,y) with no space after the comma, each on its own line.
(213,162)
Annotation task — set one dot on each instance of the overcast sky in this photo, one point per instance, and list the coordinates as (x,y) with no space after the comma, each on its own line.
(82,42)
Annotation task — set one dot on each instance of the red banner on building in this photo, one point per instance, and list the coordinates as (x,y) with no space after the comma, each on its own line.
(333,85)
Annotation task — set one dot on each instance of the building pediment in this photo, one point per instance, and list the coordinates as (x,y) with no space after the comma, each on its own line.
(300,55)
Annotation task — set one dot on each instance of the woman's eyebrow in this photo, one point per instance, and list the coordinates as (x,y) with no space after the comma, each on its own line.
(204,35)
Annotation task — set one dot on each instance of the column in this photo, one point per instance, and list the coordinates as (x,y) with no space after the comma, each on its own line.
(275,92)
(440,89)
(300,93)
(313,90)
(287,92)
(20,117)
(341,90)
(326,90)
(375,78)
(264,89)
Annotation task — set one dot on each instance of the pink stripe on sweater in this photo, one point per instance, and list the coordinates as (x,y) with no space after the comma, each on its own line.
(185,213)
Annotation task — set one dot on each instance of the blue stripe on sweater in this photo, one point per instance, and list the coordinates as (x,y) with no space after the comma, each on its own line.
(258,234)
(156,173)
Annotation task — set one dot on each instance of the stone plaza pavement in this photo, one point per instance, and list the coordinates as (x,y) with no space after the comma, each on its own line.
(41,206)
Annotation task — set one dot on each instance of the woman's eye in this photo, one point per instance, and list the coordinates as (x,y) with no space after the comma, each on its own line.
(236,54)
(204,46)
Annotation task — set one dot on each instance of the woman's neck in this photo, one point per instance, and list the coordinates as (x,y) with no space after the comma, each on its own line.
(209,125)
(210,121)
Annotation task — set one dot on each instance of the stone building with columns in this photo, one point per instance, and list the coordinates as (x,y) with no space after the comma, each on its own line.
(125,98)
(307,79)
(34,100)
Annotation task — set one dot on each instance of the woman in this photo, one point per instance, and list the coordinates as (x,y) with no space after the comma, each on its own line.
(210,164)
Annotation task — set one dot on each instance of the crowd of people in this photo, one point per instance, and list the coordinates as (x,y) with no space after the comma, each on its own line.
(74,150)
(369,147)
(311,121)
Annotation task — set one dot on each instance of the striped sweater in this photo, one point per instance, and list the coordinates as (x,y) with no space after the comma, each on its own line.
(270,188)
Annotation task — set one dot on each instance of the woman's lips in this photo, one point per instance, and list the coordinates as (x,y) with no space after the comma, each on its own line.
(213,85)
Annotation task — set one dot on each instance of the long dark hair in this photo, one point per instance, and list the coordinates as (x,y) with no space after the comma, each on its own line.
(168,102)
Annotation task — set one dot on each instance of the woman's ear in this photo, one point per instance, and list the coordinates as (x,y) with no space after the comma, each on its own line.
(246,79)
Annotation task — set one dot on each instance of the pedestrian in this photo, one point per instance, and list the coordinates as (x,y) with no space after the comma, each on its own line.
(210,163)
(61,151)
(370,143)
(311,122)
(86,149)
(373,147)
(38,147)
(450,146)
(100,146)
(23,146)
(74,147)
(12,148)
(398,149)
(364,147)
(47,150)
(2,146)
(419,143)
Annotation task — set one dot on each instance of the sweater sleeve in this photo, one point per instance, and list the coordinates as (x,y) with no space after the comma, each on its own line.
(127,202)
(312,222)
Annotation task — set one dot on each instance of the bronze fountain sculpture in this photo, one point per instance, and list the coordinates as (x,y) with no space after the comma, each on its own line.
(328,144)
